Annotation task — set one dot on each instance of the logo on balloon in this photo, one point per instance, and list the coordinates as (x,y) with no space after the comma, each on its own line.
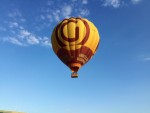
(82,58)
(62,35)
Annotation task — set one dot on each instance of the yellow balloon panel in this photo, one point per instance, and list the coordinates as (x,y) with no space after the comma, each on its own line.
(93,39)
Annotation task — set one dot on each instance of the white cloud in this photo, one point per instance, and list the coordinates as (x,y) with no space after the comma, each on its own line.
(22,19)
(84,1)
(51,13)
(146,59)
(21,27)
(113,3)
(49,3)
(13,24)
(66,10)
(42,17)
(13,40)
(56,15)
(15,13)
(28,37)
(46,41)
(84,12)
(15,17)
(18,34)
(28,40)
(49,17)
(135,1)
(25,38)
(13,32)
(117,3)
(74,0)
(24,33)
(32,40)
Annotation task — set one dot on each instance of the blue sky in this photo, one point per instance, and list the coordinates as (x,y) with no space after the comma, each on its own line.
(115,80)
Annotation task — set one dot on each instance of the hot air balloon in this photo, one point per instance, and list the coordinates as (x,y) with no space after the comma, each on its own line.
(75,41)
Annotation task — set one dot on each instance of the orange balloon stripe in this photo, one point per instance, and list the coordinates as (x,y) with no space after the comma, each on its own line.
(79,57)
(57,38)
(76,32)
(61,26)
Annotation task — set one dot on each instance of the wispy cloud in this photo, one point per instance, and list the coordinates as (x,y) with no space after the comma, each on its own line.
(47,15)
(52,12)
(13,24)
(113,3)
(32,40)
(15,13)
(66,11)
(84,1)
(84,12)
(22,33)
(26,38)
(13,40)
(118,3)
(56,15)
(136,1)
(18,34)
(45,41)
(145,57)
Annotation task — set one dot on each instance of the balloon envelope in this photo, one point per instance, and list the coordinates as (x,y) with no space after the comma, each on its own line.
(75,41)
